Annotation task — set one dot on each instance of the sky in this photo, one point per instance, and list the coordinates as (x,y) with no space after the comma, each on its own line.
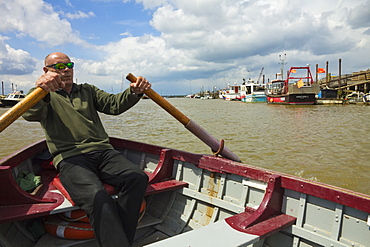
(181,46)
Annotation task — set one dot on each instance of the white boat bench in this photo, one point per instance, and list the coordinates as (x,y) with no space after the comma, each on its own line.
(221,234)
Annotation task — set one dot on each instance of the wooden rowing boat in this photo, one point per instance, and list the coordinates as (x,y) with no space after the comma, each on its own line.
(193,200)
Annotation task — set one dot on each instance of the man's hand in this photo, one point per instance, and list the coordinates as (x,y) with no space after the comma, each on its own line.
(140,85)
(50,81)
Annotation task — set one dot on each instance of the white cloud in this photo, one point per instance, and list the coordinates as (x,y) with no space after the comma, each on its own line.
(79,15)
(128,34)
(150,4)
(359,16)
(234,29)
(14,62)
(145,53)
(213,39)
(68,2)
(38,20)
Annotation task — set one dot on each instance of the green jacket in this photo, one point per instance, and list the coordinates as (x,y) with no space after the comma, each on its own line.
(71,122)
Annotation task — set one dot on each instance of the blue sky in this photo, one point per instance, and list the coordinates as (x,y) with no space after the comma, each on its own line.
(180,46)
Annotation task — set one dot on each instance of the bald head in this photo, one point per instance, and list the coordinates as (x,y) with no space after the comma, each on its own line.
(65,72)
(56,56)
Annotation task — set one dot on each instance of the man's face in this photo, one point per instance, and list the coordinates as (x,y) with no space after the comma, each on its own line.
(66,73)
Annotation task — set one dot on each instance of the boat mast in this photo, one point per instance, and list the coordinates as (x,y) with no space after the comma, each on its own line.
(282,62)
(259,77)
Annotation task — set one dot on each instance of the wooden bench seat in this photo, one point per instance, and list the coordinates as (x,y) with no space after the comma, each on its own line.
(152,188)
(221,233)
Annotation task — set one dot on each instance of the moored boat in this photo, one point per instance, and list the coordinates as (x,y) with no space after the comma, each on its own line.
(252,92)
(192,200)
(13,98)
(230,93)
(366,98)
(298,89)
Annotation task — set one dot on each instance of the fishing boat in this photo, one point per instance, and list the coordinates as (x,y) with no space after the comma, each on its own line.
(206,96)
(192,200)
(298,89)
(13,98)
(232,92)
(252,92)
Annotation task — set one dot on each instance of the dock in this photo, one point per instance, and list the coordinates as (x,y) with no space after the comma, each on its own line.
(349,89)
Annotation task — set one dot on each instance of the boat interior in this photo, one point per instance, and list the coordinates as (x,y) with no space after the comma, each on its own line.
(191,200)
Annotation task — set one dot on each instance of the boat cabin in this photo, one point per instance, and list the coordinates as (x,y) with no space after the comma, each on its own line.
(16,95)
(275,87)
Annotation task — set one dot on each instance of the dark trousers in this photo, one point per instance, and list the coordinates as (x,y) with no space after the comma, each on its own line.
(114,222)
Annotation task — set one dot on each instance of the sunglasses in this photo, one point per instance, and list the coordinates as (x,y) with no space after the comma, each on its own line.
(61,66)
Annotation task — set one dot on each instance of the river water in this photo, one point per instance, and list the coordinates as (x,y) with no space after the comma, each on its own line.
(325,143)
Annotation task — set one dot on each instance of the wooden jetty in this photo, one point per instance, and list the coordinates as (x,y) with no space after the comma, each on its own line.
(346,85)
(357,81)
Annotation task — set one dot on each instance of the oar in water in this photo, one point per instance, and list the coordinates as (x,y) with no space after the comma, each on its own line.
(193,127)
(21,107)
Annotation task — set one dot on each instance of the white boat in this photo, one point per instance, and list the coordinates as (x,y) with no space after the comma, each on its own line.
(366,98)
(13,98)
(206,96)
(230,93)
(252,92)
(357,97)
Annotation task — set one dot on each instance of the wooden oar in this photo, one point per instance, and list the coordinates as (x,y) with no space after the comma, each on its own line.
(194,128)
(21,107)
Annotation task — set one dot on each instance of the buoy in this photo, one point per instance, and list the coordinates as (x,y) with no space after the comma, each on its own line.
(69,230)
(75,224)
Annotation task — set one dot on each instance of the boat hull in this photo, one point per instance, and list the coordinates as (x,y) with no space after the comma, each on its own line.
(194,199)
(12,99)
(254,99)
(292,99)
(9,103)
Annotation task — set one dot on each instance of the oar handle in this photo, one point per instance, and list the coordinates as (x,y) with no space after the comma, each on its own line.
(162,102)
(194,128)
(21,107)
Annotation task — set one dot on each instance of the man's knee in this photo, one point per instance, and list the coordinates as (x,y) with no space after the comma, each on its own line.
(90,199)
(140,177)
(143,176)
(135,180)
